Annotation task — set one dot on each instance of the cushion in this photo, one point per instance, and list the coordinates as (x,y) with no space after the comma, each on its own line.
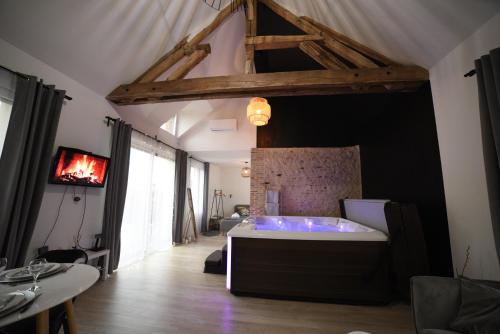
(479,311)
(438,331)
(242,210)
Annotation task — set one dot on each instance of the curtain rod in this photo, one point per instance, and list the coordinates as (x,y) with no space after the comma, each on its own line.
(471,73)
(111,119)
(191,157)
(69,98)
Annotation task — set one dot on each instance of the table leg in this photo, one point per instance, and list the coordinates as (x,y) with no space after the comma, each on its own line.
(106,266)
(70,312)
(42,322)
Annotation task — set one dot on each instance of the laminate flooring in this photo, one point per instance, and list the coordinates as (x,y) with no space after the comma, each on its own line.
(169,293)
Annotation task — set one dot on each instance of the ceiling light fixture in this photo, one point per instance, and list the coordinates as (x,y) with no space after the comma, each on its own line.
(245,171)
(258,111)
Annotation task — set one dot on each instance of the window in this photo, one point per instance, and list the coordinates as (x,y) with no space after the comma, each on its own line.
(149,206)
(170,126)
(5,108)
(7,89)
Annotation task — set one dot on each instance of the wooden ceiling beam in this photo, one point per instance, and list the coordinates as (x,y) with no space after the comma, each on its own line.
(164,63)
(178,52)
(292,18)
(272,84)
(327,31)
(250,10)
(323,57)
(188,50)
(249,59)
(193,60)
(358,59)
(279,41)
(223,14)
(349,54)
(251,31)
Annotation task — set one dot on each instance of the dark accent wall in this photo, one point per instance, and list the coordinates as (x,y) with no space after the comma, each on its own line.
(399,150)
(396,133)
(400,160)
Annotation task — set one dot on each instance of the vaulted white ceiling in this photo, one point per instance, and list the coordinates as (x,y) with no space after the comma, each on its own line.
(104,43)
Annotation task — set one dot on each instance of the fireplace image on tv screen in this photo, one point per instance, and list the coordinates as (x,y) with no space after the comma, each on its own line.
(76,167)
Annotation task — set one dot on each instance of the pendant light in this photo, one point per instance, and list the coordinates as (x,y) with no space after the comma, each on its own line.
(245,171)
(258,111)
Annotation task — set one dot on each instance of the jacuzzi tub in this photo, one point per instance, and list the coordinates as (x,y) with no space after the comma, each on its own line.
(311,258)
(305,228)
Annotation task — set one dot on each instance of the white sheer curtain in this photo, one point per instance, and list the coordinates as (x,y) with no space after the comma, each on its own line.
(149,207)
(196,183)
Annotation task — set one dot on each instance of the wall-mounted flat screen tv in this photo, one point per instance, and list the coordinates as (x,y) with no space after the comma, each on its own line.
(80,168)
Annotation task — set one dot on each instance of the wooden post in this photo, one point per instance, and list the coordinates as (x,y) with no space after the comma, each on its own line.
(251,31)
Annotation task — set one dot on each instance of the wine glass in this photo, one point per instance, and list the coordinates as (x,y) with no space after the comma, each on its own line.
(3,263)
(35,267)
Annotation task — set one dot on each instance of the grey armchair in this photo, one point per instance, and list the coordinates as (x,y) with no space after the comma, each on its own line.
(435,303)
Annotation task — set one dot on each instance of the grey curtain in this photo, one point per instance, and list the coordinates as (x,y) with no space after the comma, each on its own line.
(488,77)
(116,191)
(25,163)
(179,194)
(204,224)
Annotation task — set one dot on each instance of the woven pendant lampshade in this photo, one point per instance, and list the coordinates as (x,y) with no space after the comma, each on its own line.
(258,111)
(245,171)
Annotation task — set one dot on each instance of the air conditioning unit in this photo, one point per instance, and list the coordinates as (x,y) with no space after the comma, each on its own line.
(218,125)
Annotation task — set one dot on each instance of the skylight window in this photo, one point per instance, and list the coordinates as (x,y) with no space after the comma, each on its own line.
(170,126)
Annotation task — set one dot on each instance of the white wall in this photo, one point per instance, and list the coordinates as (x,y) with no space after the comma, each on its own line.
(201,138)
(235,187)
(457,118)
(81,125)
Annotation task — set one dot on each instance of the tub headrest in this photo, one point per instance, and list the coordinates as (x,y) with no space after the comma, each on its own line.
(369,212)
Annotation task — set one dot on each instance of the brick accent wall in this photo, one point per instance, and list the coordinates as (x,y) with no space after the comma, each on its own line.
(311,180)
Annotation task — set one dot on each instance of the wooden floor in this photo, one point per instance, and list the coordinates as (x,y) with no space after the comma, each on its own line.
(168,293)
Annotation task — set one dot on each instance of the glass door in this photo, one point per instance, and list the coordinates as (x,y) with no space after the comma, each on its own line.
(149,206)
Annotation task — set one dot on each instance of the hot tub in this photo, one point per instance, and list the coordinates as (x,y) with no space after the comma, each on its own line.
(305,228)
(308,258)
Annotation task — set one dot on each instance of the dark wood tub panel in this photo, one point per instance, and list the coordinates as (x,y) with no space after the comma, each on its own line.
(341,271)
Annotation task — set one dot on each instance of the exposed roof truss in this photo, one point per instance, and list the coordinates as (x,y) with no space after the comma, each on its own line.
(350,67)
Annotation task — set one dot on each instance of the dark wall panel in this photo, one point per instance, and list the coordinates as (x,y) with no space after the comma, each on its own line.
(399,149)
(400,160)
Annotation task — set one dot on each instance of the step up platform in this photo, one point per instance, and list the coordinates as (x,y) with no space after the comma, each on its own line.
(216,262)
